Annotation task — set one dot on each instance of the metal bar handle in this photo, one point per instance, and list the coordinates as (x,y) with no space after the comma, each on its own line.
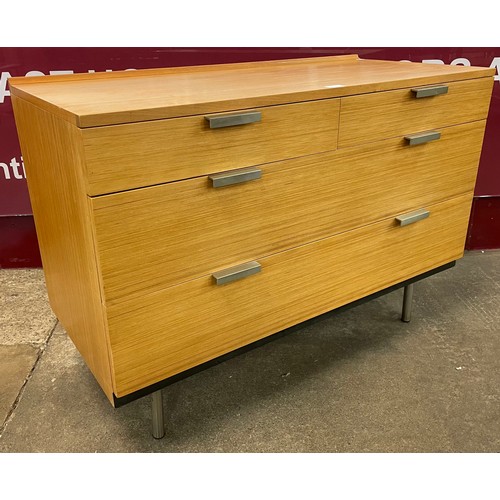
(422,137)
(411,217)
(235,177)
(236,273)
(232,120)
(430,91)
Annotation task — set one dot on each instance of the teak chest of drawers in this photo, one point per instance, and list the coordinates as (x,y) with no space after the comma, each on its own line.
(184,213)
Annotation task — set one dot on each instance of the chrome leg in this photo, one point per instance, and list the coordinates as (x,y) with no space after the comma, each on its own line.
(407,303)
(157,413)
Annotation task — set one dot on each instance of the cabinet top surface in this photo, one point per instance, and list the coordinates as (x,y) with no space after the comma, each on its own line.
(97,99)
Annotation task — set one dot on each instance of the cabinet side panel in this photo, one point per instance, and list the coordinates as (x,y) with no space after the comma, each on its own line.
(52,156)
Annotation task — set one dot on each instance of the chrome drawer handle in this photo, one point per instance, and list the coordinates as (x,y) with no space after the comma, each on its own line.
(236,272)
(235,177)
(430,91)
(232,120)
(412,217)
(422,137)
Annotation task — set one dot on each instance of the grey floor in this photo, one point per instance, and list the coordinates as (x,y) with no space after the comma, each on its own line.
(359,381)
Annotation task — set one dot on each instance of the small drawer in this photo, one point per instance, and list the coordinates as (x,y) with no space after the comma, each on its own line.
(152,238)
(381,115)
(164,333)
(122,157)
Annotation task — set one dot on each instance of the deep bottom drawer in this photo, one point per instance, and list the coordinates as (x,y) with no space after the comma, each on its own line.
(167,332)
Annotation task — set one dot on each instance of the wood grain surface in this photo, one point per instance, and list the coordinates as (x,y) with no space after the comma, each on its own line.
(365,118)
(170,331)
(149,239)
(128,267)
(164,333)
(130,96)
(123,157)
(52,155)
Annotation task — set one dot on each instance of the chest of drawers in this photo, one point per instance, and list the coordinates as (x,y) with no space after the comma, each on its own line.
(184,213)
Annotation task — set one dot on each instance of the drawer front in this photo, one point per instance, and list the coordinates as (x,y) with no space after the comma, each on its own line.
(370,117)
(164,333)
(152,238)
(121,157)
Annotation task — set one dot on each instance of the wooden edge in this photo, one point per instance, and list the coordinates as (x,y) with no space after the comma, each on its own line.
(160,113)
(16,80)
(23,80)
(44,105)
(479,71)
(90,215)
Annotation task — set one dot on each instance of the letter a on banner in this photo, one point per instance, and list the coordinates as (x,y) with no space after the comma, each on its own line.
(3,86)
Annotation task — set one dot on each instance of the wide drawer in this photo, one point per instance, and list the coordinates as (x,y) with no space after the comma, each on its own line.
(164,333)
(152,238)
(381,115)
(121,157)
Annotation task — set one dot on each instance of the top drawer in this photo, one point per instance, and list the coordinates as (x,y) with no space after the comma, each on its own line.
(122,157)
(381,115)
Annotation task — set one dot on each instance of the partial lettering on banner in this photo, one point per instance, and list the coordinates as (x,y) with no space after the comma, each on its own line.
(496,64)
(5,75)
(11,169)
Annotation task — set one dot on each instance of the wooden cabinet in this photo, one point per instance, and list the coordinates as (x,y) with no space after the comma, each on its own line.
(184,213)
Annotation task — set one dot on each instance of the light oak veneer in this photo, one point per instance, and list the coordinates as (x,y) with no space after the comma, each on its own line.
(131,96)
(164,333)
(131,230)
(197,229)
(390,114)
(122,157)
(52,152)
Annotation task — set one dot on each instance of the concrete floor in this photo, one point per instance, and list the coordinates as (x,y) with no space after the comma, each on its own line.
(359,381)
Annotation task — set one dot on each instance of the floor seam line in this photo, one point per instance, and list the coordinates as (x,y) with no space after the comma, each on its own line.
(15,404)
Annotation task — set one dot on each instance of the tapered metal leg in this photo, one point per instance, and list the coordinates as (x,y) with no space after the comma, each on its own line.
(157,414)
(407,303)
